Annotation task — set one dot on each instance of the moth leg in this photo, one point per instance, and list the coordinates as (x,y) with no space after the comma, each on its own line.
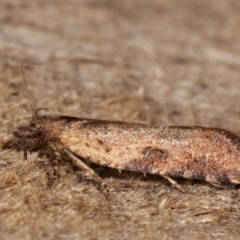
(220,186)
(174,183)
(217,184)
(234,181)
(77,162)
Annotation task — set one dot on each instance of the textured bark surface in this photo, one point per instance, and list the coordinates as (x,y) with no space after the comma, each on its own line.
(158,62)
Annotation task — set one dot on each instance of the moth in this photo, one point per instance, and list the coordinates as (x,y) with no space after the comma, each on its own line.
(201,153)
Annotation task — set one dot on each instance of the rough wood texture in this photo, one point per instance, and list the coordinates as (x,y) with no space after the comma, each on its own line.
(164,62)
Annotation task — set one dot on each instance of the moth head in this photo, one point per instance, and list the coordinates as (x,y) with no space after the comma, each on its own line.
(31,131)
(34,130)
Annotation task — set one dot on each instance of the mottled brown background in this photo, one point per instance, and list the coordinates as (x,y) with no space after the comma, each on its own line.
(161,62)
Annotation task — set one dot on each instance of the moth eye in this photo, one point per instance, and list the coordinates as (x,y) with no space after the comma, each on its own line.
(34,125)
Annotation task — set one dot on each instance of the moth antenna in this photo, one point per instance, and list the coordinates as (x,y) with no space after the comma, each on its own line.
(26,88)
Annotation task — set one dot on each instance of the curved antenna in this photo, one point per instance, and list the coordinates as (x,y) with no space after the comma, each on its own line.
(26,89)
(37,111)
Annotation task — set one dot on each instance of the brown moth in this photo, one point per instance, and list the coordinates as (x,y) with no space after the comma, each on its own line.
(200,153)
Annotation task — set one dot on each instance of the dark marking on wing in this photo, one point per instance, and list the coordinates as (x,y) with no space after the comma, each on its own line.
(138,166)
(154,154)
(151,159)
(198,169)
